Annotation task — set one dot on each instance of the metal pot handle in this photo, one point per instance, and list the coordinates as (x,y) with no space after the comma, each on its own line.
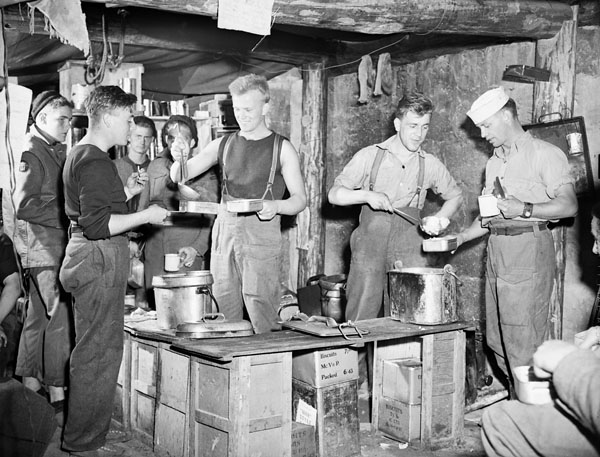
(206,289)
(450,271)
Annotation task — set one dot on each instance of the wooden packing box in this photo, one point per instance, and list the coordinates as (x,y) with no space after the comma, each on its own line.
(338,427)
(144,377)
(242,407)
(325,367)
(398,420)
(303,440)
(402,380)
(171,418)
(121,406)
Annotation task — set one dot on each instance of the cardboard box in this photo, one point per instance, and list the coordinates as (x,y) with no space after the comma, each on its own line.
(303,440)
(326,367)
(399,421)
(401,380)
(338,430)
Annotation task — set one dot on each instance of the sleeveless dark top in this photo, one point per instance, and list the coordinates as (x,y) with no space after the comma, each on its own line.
(247,168)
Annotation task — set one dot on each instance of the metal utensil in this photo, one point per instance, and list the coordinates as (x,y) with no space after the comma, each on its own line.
(498,189)
(188,193)
(410,214)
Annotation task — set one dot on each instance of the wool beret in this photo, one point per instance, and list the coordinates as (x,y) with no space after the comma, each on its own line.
(42,100)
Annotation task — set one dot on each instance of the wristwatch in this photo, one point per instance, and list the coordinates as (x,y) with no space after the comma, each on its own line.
(527,210)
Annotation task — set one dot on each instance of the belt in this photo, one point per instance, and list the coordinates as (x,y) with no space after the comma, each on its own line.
(75,228)
(512,230)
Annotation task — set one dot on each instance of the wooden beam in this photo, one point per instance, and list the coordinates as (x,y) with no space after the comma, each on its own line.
(507,18)
(311,224)
(179,32)
(557,96)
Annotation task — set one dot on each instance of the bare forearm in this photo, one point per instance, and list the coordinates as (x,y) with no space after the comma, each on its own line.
(450,207)
(10,293)
(474,231)
(342,196)
(291,206)
(121,223)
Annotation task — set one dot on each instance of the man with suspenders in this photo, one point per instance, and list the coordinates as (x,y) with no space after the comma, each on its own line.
(382,178)
(255,163)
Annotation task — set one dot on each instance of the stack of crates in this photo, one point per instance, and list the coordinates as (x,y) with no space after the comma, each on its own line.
(327,380)
(400,402)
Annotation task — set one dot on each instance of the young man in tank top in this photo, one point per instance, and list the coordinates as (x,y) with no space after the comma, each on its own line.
(255,163)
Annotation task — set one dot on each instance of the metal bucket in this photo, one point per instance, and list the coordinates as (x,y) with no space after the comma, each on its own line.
(423,295)
(333,296)
(183,297)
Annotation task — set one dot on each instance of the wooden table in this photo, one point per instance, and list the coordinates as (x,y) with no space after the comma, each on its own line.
(228,379)
(440,347)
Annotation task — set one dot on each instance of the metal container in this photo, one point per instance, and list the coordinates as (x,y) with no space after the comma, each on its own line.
(423,295)
(183,297)
(333,296)
(244,205)
(440,244)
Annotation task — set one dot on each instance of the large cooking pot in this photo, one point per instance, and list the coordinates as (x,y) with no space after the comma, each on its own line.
(333,296)
(183,297)
(423,295)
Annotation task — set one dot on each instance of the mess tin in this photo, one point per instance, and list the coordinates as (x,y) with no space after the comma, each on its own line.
(244,205)
(441,244)
(189,206)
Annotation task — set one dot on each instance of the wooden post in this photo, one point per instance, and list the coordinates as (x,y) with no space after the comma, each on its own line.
(557,54)
(311,225)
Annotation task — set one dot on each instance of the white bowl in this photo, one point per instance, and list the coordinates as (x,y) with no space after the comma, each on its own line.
(529,388)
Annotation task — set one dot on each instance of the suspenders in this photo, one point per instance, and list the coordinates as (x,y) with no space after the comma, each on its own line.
(377,163)
(277,144)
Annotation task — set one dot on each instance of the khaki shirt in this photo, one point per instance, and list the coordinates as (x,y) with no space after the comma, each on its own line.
(398,179)
(532,172)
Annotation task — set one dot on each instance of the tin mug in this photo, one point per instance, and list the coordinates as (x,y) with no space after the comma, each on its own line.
(488,205)
(172,262)
(575,143)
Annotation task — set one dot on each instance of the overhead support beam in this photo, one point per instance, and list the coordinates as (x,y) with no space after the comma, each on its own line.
(507,18)
(182,33)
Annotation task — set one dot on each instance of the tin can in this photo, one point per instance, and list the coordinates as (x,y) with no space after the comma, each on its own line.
(575,142)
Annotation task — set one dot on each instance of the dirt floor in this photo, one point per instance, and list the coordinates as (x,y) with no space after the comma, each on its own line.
(372,444)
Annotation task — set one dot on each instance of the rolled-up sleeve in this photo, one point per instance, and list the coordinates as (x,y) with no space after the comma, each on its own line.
(441,181)
(356,173)
(554,169)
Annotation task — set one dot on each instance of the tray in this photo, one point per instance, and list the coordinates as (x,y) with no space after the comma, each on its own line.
(321,328)
(198,207)
(244,206)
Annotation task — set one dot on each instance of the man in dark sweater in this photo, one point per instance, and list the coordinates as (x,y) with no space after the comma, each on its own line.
(95,267)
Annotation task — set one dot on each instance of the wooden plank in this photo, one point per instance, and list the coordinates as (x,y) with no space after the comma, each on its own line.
(311,224)
(520,18)
(557,96)
(380,329)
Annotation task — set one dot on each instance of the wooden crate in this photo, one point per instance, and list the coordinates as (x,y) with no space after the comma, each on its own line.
(144,378)
(122,403)
(242,407)
(443,375)
(172,419)
(338,428)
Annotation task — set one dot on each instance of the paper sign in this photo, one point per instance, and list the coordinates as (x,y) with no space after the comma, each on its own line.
(20,101)
(252,16)
(306,414)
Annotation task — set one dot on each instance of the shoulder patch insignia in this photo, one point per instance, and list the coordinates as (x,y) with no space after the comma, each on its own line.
(23,166)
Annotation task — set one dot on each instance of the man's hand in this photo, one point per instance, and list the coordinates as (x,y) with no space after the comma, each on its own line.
(549,355)
(137,181)
(188,255)
(510,207)
(379,201)
(268,211)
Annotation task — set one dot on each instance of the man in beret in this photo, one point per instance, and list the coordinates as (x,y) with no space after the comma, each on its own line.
(40,238)
(538,189)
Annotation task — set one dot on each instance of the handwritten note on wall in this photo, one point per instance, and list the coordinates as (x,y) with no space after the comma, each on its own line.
(252,16)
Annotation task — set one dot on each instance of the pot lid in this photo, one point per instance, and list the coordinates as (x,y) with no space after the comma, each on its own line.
(214,326)
(193,278)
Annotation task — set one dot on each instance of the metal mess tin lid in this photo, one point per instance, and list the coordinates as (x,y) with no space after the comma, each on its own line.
(184,279)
